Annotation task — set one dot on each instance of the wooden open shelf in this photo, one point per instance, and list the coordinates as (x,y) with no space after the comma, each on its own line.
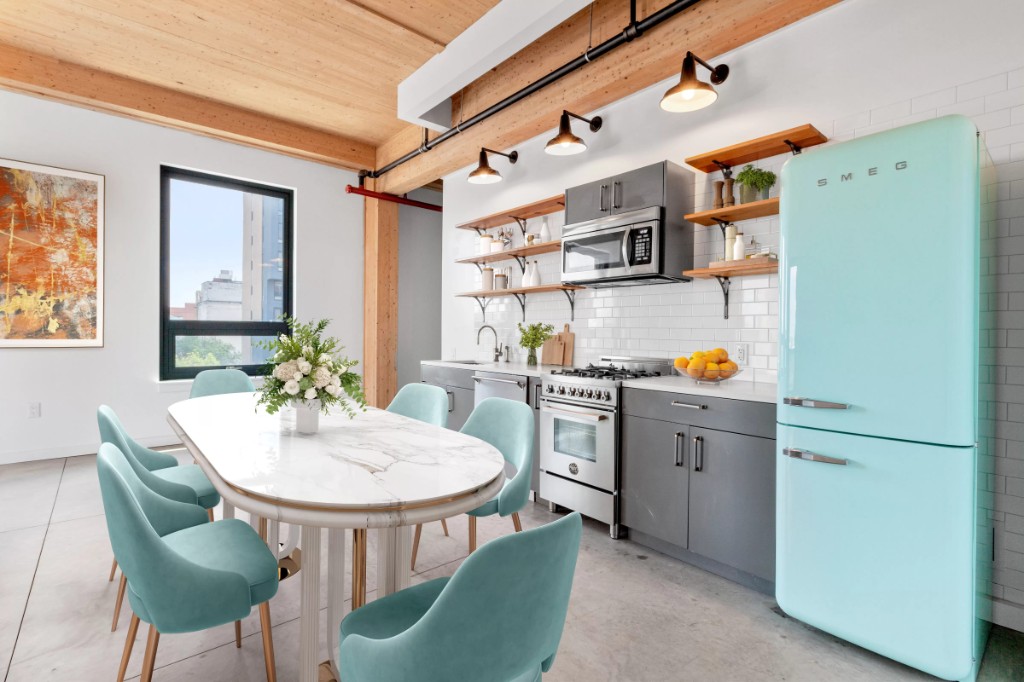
(538,208)
(732,214)
(770,145)
(516,253)
(498,293)
(740,269)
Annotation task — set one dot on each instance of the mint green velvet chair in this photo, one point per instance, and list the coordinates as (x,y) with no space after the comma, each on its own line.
(184,573)
(424,403)
(498,619)
(219,382)
(507,425)
(186,483)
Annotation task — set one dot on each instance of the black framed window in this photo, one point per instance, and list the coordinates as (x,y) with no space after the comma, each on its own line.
(225,271)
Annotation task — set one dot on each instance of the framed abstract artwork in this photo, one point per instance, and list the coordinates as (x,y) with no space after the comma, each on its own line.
(51,257)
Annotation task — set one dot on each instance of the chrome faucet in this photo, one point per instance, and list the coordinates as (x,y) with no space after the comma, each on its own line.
(497,346)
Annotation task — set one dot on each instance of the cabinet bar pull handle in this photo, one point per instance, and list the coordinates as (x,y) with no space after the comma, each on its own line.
(615,194)
(689,406)
(536,397)
(600,203)
(500,381)
(817,404)
(451,401)
(797,453)
(698,453)
(679,450)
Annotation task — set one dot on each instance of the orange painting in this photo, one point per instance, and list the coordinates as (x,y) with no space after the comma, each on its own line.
(51,256)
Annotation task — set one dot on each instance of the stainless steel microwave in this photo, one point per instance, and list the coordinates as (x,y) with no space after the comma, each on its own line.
(626,249)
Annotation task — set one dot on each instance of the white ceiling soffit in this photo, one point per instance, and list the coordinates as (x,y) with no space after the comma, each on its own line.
(424,98)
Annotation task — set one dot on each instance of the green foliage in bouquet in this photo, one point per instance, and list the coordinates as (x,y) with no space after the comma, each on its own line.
(307,366)
(534,335)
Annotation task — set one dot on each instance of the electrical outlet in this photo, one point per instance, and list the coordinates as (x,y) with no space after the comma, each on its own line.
(742,353)
(35,410)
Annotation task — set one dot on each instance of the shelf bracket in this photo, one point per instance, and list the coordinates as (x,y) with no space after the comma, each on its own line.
(522,224)
(480,268)
(722,224)
(522,303)
(483,303)
(480,231)
(522,263)
(725,168)
(571,295)
(724,283)
(795,148)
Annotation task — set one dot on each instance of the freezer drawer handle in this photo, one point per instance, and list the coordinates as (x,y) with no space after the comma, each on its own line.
(500,381)
(818,404)
(582,415)
(689,406)
(796,453)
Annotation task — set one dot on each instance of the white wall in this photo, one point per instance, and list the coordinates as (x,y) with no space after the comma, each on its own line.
(71,383)
(857,68)
(419,286)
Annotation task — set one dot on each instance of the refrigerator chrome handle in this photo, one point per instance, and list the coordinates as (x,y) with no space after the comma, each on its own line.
(690,406)
(797,453)
(817,404)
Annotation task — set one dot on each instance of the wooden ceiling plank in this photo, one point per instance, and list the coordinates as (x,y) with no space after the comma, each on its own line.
(710,28)
(51,78)
(441,20)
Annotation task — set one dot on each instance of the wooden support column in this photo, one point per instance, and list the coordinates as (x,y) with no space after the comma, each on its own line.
(380,299)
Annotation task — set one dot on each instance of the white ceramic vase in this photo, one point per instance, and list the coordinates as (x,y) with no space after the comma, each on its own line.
(307,416)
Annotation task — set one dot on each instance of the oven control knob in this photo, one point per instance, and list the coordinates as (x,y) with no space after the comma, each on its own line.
(561,390)
(550,389)
(572,391)
(589,393)
(607,395)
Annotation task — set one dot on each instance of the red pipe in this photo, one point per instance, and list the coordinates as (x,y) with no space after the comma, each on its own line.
(349,189)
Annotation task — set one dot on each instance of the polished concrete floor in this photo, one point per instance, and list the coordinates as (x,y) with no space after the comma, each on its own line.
(634,614)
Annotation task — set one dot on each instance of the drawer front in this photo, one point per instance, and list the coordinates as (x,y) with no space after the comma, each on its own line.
(737,416)
(446,376)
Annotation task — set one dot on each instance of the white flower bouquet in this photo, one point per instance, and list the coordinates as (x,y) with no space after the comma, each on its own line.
(306,367)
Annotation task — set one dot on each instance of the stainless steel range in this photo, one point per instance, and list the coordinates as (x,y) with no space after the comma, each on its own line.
(579,435)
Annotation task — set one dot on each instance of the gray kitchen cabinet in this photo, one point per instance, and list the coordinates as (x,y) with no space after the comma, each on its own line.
(655,478)
(629,191)
(732,500)
(587,202)
(533,399)
(458,384)
(460,406)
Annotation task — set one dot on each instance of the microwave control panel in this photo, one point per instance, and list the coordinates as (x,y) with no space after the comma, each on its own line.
(641,245)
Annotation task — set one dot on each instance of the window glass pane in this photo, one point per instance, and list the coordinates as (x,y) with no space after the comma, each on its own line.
(226,256)
(215,351)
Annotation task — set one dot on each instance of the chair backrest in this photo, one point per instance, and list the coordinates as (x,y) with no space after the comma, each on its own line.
(139,457)
(500,616)
(507,425)
(423,402)
(166,589)
(219,382)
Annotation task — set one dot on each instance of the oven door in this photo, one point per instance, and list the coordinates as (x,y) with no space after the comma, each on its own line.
(577,442)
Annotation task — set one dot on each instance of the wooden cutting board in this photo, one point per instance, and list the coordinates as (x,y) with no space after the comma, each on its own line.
(568,345)
(552,352)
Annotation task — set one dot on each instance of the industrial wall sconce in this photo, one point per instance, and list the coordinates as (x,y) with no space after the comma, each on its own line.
(484,174)
(692,94)
(565,143)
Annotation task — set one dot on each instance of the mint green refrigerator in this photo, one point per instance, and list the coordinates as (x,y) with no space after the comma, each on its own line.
(878,523)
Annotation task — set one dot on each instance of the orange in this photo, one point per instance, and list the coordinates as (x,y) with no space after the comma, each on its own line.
(681,362)
(697,354)
(711,371)
(723,355)
(728,368)
(696,368)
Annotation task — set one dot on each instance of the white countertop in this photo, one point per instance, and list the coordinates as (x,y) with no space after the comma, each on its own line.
(376,460)
(520,368)
(733,390)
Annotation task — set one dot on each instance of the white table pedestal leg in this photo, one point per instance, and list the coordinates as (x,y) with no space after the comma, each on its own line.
(228,509)
(309,626)
(335,591)
(394,552)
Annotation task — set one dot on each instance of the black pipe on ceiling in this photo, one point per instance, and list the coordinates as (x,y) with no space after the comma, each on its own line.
(633,30)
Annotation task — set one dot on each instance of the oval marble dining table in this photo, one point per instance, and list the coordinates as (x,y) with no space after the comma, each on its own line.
(378,470)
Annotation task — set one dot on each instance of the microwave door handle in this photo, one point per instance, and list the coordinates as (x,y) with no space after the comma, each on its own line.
(625,247)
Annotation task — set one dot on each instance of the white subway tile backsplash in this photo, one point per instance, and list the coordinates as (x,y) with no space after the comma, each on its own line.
(982,87)
(933,100)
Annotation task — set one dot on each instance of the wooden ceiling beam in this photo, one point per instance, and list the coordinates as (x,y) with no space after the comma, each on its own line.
(44,76)
(710,28)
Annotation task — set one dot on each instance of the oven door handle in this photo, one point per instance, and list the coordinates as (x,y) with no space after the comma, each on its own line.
(589,416)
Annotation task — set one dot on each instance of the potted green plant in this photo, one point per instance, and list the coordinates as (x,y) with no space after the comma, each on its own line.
(533,337)
(754,183)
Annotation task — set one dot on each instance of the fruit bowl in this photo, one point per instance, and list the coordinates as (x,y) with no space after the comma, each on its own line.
(709,380)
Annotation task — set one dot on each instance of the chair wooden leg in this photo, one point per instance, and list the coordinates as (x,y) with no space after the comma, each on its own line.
(268,641)
(238,634)
(120,599)
(444,527)
(209,513)
(263,529)
(516,522)
(416,545)
(472,534)
(358,567)
(150,659)
(113,571)
(129,643)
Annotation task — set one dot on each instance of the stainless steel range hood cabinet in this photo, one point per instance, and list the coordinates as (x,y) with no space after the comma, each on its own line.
(628,229)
